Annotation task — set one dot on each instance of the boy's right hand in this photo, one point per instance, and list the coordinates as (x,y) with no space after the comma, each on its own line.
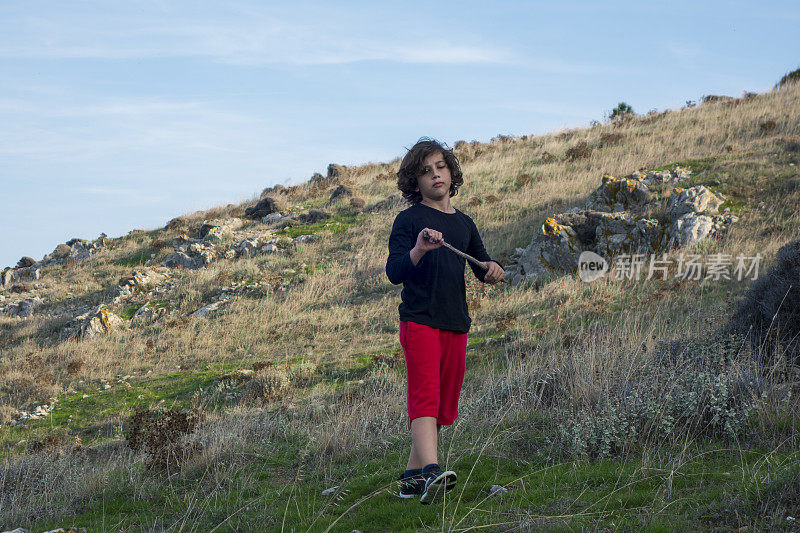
(433,241)
(425,245)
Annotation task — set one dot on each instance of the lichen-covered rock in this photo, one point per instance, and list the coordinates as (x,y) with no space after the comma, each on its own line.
(213,231)
(691,228)
(259,244)
(146,314)
(653,177)
(140,280)
(614,222)
(555,247)
(88,325)
(619,194)
(182,260)
(697,199)
(624,233)
(26,307)
(6,278)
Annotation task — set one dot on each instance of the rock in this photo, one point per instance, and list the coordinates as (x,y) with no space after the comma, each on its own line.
(357,203)
(264,207)
(497,490)
(275,218)
(303,238)
(697,199)
(146,314)
(269,249)
(26,306)
(203,311)
(692,228)
(25,261)
(265,243)
(18,530)
(554,247)
(619,194)
(213,231)
(139,281)
(624,233)
(181,260)
(76,249)
(88,325)
(6,278)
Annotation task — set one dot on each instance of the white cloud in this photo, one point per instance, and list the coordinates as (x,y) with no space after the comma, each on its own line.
(244,36)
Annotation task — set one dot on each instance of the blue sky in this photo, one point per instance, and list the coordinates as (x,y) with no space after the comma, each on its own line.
(122,115)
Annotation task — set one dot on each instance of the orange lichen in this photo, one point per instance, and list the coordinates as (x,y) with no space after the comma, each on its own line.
(551,227)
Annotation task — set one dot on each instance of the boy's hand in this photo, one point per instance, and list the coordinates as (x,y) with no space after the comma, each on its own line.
(495,273)
(424,245)
(433,241)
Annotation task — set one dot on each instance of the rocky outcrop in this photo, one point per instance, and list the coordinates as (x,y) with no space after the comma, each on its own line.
(23,309)
(617,219)
(258,244)
(96,322)
(139,281)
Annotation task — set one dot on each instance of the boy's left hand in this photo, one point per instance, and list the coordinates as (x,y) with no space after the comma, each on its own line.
(495,273)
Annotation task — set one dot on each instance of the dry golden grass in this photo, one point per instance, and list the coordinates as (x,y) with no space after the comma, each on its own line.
(350,316)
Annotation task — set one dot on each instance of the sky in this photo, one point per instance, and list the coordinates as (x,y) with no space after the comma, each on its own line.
(123,115)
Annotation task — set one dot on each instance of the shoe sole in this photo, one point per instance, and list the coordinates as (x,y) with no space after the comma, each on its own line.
(443,483)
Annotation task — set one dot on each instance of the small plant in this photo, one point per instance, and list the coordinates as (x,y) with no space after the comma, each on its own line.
(161,435)
(621,113)
(270,384)
(547,157)
(522,180)
(767,126)
(579,151)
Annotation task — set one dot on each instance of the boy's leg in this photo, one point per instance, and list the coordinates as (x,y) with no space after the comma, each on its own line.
(423,442)
(452,367)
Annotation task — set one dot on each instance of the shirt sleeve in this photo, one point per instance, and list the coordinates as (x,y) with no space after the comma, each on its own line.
(477,250)
(401,240)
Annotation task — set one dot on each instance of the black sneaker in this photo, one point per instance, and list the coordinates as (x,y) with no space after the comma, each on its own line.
(411,486)
(437,482)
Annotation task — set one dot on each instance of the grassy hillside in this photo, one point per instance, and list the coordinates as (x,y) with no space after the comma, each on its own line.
(564,402)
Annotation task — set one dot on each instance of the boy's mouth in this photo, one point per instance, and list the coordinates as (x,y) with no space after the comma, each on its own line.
(437,185)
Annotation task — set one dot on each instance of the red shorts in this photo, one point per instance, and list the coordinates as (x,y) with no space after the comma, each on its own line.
(435,362)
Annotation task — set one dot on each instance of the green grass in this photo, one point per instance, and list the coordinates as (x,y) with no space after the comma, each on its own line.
(335,224)
(87,417)
(707,489)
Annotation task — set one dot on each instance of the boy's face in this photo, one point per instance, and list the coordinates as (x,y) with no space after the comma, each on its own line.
(434,182)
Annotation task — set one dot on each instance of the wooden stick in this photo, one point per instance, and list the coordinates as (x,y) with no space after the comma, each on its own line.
(459,252)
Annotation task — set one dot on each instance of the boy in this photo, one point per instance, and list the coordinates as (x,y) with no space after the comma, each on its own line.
(434,319)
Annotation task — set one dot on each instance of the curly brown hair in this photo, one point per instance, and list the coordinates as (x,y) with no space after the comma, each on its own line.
(411,168)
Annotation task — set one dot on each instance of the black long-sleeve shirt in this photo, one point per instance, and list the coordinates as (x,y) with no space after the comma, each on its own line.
(434,291)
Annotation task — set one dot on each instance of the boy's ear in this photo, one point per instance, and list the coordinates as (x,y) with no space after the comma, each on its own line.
(416,189)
